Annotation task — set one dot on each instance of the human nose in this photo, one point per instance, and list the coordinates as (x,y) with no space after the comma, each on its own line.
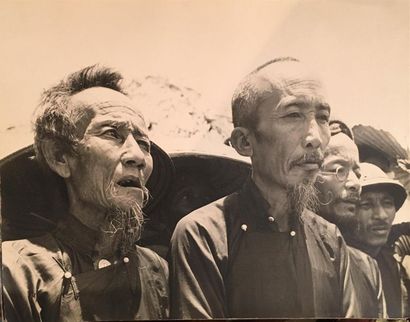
(313,139)
(379,212)
(352,182)
(133,154)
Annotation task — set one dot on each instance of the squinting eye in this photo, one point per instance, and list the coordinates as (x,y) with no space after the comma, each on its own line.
(342,173)
(112,133)
(144,144)
(293,115)
(365,206)
(323,118)
(388,203)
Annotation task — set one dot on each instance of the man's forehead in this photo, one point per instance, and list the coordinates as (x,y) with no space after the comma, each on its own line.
(103,98)
(108,106)
(341,145)
(299,91)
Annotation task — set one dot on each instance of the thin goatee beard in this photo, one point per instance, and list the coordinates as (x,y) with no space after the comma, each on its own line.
(126,223)
(303,195)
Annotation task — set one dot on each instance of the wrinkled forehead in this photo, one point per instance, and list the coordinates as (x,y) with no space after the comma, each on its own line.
(289,79)
(340,145)
(106,104)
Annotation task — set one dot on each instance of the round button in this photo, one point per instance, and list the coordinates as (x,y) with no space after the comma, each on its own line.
(68,275)
(244,227)
(293,233)
(103,263)
(271,219)
(126,260)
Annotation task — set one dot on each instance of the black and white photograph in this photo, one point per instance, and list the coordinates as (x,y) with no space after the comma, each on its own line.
(205,159)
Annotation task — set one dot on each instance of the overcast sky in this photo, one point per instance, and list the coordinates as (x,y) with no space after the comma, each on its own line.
(361,47)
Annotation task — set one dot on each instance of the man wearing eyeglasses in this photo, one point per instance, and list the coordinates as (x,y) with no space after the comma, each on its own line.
(339,192)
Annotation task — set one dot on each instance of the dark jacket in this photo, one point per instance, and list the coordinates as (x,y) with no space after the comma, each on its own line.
(228,259)
(52,278)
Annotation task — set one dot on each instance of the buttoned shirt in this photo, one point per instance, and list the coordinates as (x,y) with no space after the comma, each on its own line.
(229,259)
(53,278)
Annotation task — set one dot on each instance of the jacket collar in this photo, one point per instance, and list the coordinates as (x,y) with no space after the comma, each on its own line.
(74,233)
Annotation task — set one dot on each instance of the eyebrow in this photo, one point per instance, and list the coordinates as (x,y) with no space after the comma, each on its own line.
(120,125)
(286,102)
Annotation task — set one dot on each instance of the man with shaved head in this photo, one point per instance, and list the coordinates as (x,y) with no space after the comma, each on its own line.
(339,194)
(259,252)
(89,134)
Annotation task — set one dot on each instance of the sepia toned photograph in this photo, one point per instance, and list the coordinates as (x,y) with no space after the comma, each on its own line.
(197,159)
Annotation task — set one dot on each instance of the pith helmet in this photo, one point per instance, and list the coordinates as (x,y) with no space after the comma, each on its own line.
(373,176)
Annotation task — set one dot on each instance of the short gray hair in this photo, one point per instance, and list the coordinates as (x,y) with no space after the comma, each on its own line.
(55,119)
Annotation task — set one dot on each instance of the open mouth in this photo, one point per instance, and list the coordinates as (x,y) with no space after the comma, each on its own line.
(129,182)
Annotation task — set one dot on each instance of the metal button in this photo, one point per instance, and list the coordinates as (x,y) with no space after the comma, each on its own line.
(293,233)
(244,227)
(68,275)
(271,219)
(126,260)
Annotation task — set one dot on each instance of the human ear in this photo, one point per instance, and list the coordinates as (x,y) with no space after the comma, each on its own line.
(240,141)
(56,159)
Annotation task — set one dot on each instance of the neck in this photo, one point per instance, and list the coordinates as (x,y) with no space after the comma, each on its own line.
(277,198)
(107,242)
(372,251)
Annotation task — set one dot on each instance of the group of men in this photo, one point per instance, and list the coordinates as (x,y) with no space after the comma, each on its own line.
(306,236)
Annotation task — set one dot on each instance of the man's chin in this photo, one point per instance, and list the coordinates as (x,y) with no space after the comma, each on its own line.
(303,195)
(127,202)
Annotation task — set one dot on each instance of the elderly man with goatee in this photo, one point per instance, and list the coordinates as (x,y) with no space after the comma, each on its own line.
(88,132)
(259,253)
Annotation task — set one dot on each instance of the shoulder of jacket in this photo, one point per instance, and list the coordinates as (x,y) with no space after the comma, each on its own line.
(30,247)
(149,256)
(208,215)
(317,222)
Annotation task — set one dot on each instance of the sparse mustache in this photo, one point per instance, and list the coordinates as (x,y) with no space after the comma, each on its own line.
(312,157)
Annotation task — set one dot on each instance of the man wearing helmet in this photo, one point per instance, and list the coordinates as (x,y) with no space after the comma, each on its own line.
(380,199)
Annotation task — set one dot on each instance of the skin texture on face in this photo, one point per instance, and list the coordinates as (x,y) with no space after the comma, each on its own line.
(113,161)
(284,117)
(291,134)
(376,214)
(338,199)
